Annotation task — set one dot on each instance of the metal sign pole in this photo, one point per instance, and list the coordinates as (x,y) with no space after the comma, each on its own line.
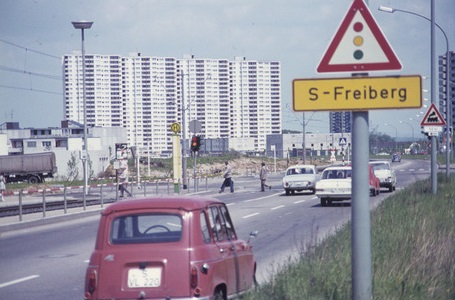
(360,209)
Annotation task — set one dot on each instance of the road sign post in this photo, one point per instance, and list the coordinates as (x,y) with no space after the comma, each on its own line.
(357,47)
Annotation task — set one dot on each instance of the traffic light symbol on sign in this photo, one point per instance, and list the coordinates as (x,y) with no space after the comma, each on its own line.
(359,45)
(358,40)
(195,143)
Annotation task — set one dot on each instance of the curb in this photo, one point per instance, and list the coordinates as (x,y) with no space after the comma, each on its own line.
(49,220)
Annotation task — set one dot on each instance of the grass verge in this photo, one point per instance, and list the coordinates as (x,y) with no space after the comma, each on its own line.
(413,253)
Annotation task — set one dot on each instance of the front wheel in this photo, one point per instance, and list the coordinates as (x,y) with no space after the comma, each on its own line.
(323,202)
(219,294)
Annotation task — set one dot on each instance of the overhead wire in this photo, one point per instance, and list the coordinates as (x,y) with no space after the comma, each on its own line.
(29,73)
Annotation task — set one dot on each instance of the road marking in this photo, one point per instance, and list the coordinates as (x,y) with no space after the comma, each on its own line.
(229,204)
(300,201)
(2,285)
(276,207)
(248,216)
(260,198)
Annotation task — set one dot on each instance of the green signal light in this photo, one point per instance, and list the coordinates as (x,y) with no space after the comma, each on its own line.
(358,54)
(358,40)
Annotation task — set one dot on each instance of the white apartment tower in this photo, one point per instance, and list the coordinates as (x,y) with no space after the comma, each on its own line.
(255,100)
(146,94)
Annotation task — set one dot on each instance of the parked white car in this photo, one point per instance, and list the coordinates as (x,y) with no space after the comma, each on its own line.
(300,178)
(383,170)
(335,185)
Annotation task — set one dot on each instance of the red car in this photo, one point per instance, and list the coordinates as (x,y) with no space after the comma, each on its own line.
(375,183)
(169,248)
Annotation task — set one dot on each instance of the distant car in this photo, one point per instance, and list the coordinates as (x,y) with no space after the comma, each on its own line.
(169,248)
(375,183)
(300,178)
(335,185)
(383,170)
(396,157)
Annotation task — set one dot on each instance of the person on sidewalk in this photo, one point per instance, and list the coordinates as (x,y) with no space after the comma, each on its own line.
(227,175)
(123,173)
(263,177)
(2,186)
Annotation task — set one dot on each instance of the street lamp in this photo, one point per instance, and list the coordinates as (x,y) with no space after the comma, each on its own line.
(433,94)
(82,25)
(396,133)
(412,128)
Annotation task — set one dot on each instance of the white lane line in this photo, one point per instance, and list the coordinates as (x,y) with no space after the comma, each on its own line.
(276,207)
(300,201)
(249,216)
(2,285)
(260,198)
(229,204)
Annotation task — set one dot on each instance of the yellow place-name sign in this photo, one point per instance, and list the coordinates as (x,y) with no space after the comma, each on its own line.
(357,93)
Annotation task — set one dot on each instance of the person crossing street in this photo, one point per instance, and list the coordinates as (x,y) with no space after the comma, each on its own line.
(263,177)
(227,175)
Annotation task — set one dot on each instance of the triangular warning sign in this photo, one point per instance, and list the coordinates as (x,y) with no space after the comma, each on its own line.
(433,117)
(359,45)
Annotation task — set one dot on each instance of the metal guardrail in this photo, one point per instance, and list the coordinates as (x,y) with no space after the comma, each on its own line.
(63,198)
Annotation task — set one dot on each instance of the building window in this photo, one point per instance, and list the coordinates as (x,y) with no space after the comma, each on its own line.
(47,145)
(31,144)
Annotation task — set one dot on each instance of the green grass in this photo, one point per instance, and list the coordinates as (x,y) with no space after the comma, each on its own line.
(413,253)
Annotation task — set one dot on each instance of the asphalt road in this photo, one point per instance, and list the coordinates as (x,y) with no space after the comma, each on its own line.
(48,262)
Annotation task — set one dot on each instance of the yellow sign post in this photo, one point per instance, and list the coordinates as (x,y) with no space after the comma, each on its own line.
(177,162)
(357,93)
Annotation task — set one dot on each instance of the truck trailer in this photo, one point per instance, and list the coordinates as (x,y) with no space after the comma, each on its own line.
(31,168)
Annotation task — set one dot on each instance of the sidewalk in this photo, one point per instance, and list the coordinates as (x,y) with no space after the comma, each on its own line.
(42,218)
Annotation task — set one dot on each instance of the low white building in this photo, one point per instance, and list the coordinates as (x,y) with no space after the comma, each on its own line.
(66,142)
(316,144)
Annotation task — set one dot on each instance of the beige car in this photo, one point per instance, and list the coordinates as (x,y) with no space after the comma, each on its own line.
(383,170)
(300,178)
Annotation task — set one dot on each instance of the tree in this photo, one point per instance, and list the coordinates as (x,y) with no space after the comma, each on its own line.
(72,169)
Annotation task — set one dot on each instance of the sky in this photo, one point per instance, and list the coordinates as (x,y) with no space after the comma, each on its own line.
(35,34)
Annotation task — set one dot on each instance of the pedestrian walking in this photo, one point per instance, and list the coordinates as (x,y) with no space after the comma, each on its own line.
(263,177)
(123,174)
(2,186)
(227,175)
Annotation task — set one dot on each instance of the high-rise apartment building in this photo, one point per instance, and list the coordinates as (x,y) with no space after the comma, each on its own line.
(340,121)
(447,83)
(145,94)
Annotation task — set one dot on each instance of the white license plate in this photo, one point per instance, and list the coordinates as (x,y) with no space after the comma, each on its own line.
(140,278)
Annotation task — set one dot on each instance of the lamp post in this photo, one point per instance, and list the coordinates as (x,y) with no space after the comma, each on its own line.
(396,133)
(433,90)
(412,128)
(82,25)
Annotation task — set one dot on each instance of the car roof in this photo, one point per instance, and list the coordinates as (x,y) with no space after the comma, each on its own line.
(301,166)
(187,203)
(379,162)
(338,168)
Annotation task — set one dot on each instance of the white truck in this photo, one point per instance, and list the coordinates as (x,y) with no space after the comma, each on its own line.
(31,168)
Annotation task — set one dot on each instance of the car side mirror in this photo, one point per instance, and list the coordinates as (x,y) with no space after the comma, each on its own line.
(253,234)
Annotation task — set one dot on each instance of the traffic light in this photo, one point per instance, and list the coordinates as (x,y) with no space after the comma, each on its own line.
(358,40)
(195,143)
